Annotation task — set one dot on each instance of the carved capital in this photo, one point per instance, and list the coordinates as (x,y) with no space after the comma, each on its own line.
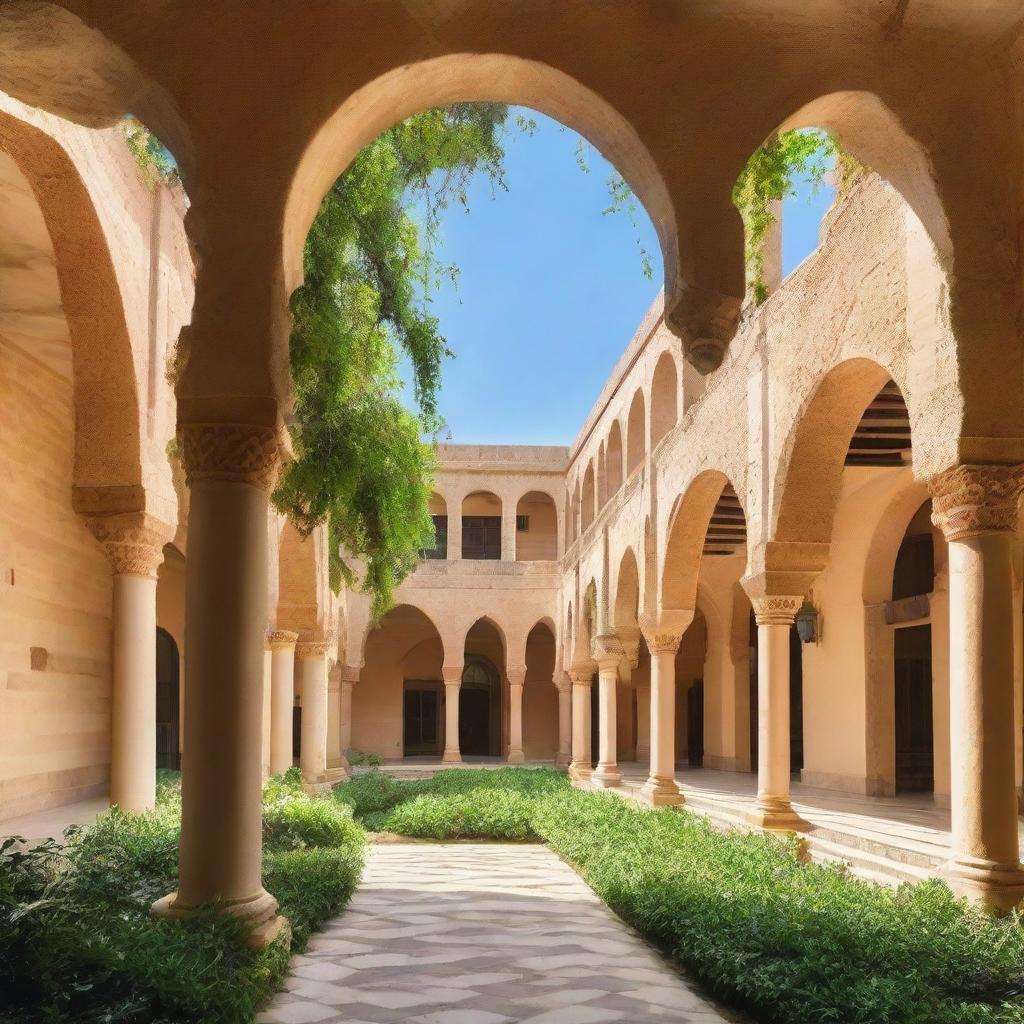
(350,674)
(516,676)
(776,609)
(133,541)
(231,452)
(563,682)
(452,674)
(663,633)
(972,499)
(607,651)
(582,675)
(316,645)
(282,639)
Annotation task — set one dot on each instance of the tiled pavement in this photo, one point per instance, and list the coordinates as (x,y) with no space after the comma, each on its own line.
(480,934)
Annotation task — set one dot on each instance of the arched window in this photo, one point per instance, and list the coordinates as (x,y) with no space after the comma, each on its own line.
(664,398)
(636,440)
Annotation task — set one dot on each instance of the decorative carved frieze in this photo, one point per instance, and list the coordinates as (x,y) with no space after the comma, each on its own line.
(972,499)
(232,452)
(133,541)
(776,609)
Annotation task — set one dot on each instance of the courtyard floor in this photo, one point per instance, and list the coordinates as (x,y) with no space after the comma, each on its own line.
(480,933)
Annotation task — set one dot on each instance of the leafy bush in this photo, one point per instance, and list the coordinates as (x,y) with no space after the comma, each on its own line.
(77,943)
(357,757)
(478,814)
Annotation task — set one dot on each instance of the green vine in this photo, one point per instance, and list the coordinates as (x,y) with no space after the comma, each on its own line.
(156,165)
(772,174)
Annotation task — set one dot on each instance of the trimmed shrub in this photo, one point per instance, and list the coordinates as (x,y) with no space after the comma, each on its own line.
(478,814)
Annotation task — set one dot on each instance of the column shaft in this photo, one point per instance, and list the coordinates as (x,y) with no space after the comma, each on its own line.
(268,657)
(133,710)
(282,700)
(515,723)
(564,756)
(312,659)
(581,765)
(660,788)
(346,716)
(607,772)
(452,686)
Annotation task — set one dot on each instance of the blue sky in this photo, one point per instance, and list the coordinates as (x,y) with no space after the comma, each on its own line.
(550,291)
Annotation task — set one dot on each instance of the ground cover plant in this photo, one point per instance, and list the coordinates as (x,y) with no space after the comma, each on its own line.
(791,943)
(77,944)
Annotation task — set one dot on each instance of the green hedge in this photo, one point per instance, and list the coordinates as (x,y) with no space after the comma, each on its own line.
(77,943)
(791,943)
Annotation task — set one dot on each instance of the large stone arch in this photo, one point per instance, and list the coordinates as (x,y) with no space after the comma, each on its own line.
(108,443)
(626,607)
(684,539)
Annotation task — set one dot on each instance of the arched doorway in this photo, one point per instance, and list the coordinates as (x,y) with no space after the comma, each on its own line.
(479,708)
(168,701)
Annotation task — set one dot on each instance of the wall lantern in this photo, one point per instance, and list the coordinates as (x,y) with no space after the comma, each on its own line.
(808,623)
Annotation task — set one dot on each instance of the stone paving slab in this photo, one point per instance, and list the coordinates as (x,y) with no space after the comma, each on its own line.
(468,933)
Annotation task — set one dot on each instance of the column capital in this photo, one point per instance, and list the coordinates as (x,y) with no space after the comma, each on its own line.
(582,675)
(972,499)
(282,639)
(516,676)
(776,609)
(663,632)
(562,682)
(133,541)
(452,674)
(606,649)
(349,673)
(315,644)
(242,453)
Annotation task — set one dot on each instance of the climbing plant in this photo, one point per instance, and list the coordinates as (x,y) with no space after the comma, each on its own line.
(156,165)
(772,174)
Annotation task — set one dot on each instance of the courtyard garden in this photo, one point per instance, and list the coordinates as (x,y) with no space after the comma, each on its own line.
(783,940)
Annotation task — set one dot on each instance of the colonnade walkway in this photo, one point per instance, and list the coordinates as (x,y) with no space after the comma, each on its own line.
(481,933)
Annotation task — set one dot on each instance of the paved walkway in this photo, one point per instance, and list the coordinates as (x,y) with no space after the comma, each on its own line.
(475,933)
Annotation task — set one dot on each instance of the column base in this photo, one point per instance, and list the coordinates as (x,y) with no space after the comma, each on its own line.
(341,761)
(336,775)
(563,760)
(606,776)
(580,770)
(776,816)
(515,757)
(268,926)
(451,757)
(996,887)
(658,792)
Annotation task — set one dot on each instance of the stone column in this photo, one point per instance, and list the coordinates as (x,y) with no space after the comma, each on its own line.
(508,531)
(282,699)
(230,469)
(334,752)
(564,686)
(349,678)
(452,675)
(976,508)
(774,615)
(516,681)
(643,723)
(134,543)
(582,678)
(608,653)
(266,719)
(311,655)
(663,634)
(455,529)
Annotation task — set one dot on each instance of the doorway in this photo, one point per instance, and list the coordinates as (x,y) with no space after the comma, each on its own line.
(168,701)
(479,708)
(915,764)
(421,718)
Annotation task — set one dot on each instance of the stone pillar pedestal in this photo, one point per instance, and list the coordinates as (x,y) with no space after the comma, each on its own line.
(516,680)
(134,543)
(608,653)
(774,615)
(976,509)
(663,634)
(282,699)
(452,675)
(230,469)
(564,686)
(312,660)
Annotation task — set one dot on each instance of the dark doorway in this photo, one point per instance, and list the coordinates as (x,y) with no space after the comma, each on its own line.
(796,702)
(595,719)
(915,765)
(168,701)
(479,708)
(695,724)
(421,718)
(481,537)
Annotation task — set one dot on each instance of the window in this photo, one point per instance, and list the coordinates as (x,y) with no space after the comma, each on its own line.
(481,537)
(522,524)
(440,548)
